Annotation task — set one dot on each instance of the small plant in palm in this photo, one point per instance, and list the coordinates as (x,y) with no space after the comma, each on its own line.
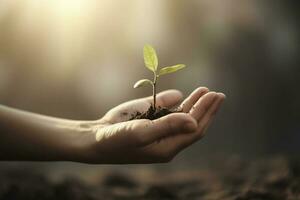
(151,62)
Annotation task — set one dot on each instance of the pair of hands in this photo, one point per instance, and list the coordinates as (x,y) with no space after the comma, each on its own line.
(120,140)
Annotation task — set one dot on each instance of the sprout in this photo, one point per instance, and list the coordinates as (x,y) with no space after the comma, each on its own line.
(151,62)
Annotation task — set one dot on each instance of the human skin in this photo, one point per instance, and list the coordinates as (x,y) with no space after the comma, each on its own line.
(114,138)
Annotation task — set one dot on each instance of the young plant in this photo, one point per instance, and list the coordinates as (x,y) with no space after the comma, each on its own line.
(151,62)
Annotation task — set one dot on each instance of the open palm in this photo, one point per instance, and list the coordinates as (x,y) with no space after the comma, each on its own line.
(123,140)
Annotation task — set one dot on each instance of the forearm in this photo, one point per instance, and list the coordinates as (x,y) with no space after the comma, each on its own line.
(29,136)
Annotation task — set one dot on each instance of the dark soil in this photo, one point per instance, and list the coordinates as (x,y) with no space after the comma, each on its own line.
(154,113)
(234,179)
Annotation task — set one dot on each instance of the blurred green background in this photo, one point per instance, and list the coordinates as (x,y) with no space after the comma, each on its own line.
(78,58)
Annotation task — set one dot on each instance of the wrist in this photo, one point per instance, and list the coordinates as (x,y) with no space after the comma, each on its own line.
(77,134)
(81,141)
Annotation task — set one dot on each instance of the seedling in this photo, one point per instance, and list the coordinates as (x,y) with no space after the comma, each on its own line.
(151,62)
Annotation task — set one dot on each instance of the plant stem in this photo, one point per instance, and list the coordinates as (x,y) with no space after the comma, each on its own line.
(154,90)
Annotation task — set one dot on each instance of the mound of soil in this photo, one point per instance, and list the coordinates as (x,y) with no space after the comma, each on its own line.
(234,179)
(154,113)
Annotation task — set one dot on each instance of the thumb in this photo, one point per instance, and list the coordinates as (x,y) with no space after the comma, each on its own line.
(144,132)
(172,124)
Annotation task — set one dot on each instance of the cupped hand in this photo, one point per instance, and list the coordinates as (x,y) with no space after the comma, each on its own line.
(120,140)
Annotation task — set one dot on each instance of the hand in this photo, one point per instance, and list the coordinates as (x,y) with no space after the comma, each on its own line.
(119,140)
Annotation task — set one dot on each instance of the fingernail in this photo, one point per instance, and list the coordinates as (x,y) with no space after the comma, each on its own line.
(190,126)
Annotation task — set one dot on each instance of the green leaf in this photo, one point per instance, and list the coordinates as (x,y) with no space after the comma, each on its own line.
(150,58)
(171,69)
(142,82)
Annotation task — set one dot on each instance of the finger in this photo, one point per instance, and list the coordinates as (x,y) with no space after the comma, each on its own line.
(207,119)
(168,98)
(186,140)
(173,145)
(188,103)
(202,105)
(166,126)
